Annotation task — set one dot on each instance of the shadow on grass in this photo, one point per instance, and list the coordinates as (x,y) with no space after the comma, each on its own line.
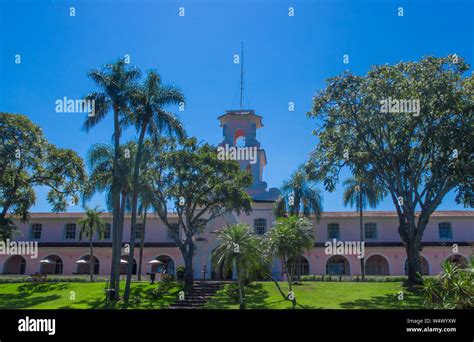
(255,296)
(31,288)
(26,295)
(412,299)
(141,297)
(23,300)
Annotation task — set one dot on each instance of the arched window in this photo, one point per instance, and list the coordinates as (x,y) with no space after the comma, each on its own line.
(376,265)
(301,265)
(424,266)
(83,265)
(459,260)
(239,138)
(337,265)
(16,264)
(124,260)
(260,226)
(52,264)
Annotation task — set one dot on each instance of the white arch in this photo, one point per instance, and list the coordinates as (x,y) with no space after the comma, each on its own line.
(383,256)
(338,255)
(308,259)
(427,262)
(12,256)
(56,254)
(460,254)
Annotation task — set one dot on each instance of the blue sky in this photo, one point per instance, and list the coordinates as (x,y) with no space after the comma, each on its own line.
(286,59)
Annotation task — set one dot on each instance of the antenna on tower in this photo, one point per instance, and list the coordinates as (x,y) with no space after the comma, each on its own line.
(242,75)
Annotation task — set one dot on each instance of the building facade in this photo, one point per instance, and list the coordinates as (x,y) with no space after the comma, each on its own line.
(449,234)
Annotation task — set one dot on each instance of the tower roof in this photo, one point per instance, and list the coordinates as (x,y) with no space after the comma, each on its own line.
(240,113)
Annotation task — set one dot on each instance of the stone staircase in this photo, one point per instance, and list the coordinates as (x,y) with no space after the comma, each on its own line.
(199,294)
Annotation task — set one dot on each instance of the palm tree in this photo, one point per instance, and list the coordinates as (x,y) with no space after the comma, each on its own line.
(362,191)
(150,118)
(116,81)
(89,225)
(299,194)
(100,159)
(239,248)
(288,240)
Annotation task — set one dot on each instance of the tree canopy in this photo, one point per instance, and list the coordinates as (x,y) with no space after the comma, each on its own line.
(29,160)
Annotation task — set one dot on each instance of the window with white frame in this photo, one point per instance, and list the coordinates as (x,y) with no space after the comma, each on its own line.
(107,231)
(445,230)
(370,231)
(333,231)
(139,231)
(36,229)
(70,231)
(260,226)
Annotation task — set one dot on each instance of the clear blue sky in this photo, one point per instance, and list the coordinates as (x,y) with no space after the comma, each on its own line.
(286,59)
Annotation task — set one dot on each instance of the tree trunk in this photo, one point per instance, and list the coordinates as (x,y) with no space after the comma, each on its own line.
(91,260)
(140,258)
(136,175)
(361,222)
(116,244)
(239,284)
(121,222)
(414,265)
(188,267)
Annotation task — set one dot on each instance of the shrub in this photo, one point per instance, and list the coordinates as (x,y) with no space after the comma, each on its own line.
(453,288)
(166,284)
(180,270)
(232,291)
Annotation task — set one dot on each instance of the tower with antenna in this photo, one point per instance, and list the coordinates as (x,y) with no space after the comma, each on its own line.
(239,129)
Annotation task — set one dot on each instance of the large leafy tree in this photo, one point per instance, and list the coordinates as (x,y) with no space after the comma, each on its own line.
(287,241)
(299,194)
(238,248)
(91,224)
(28,160)
(362,191)
(192,182)
(150,117)
(116,82)
(417,156)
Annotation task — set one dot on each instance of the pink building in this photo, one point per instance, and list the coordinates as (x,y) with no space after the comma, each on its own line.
(449,234)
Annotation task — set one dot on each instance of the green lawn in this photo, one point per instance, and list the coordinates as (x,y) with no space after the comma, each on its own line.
(325,295)
(87,296)
(310,295)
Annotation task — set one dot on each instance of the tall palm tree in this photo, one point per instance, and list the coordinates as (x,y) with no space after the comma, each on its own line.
(362,191)
(146,199)
(299,194)
(150,117)
(116,81)
(100,159)
(89,225)
(239,248)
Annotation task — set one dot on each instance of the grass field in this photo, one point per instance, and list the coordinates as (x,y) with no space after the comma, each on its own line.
(327,295)
(76,296)
(309,295)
